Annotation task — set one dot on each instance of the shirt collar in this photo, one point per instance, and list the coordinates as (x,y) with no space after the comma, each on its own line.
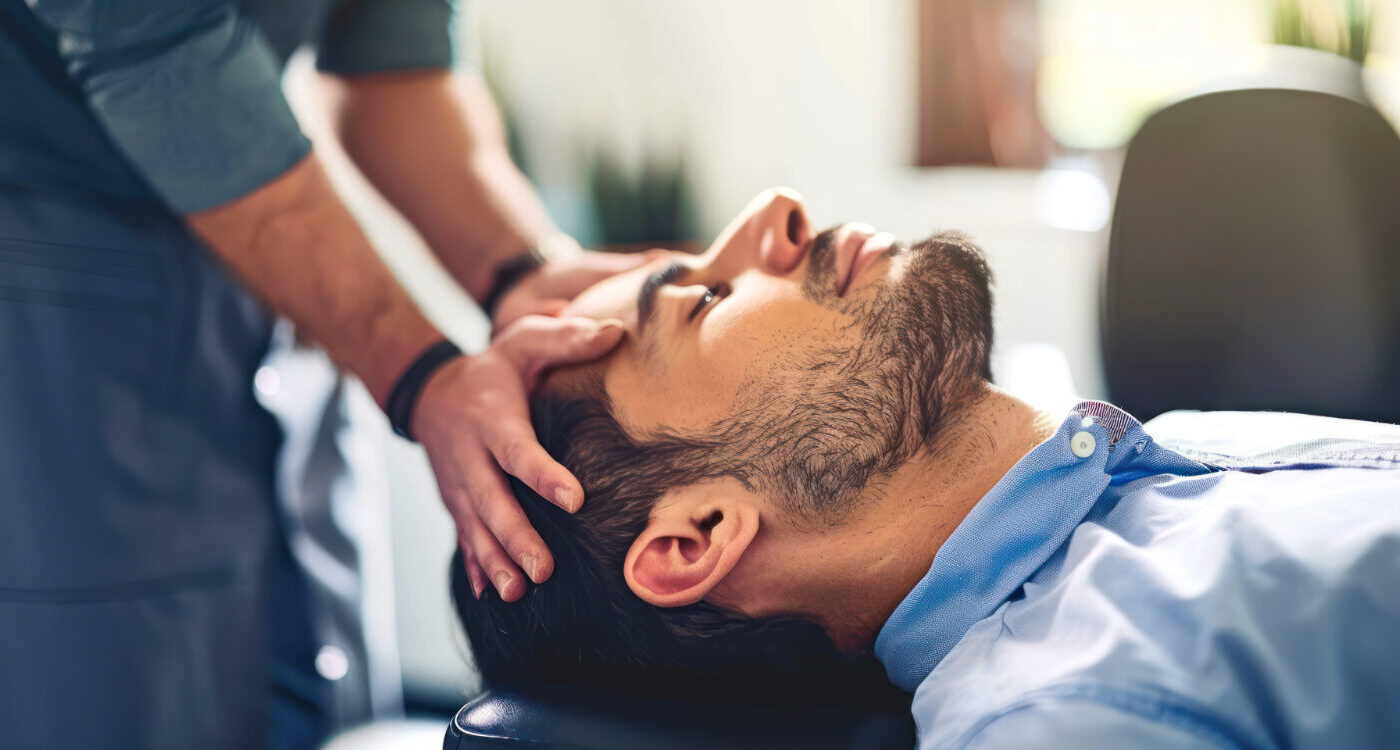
(1014,529)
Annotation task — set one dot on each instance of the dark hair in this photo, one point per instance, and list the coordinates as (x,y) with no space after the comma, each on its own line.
(585,625)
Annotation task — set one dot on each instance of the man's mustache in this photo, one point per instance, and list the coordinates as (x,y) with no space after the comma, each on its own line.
(819,282)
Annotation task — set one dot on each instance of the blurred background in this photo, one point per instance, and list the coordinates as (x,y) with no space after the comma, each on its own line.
(649,123)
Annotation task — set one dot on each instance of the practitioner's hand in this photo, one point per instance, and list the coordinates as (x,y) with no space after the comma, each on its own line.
(549,289)
(473,419)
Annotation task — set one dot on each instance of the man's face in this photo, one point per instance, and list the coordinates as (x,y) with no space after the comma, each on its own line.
(704,329)
(814,364)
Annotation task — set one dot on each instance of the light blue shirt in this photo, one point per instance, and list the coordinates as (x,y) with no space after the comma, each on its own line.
(1242,590)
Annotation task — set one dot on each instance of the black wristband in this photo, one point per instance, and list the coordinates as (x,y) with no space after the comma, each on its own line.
(509,273)
(405,392)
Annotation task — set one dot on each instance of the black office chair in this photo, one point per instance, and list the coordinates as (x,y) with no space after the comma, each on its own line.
(550,716)
(1254,260)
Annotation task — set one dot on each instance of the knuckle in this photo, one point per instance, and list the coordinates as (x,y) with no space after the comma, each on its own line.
(471,489)
(462,518)
(469,539)
(521,550)
(582,338)
(484,496)
(518,540)
(457,500)
(496,562)
(487,551)
(512,455)
(512,529)
(523,331)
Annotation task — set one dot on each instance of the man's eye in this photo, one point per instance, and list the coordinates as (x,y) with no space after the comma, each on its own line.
(710,295)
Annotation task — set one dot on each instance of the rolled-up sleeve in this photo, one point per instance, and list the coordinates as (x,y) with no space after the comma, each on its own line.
(188,91)
(375,36)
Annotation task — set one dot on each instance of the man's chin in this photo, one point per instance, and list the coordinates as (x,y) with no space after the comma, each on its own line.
(886,271)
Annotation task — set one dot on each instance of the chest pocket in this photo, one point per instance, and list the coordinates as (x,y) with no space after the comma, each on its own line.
(78,278)
(85,301)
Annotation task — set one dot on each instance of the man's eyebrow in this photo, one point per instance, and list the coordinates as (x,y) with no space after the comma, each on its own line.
(646,296)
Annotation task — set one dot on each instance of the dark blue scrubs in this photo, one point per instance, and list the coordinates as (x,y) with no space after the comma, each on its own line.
(139,531)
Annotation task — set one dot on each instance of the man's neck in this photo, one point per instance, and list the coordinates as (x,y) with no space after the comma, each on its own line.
(873,562)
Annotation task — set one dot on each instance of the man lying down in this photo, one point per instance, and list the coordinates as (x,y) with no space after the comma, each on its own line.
(797,447)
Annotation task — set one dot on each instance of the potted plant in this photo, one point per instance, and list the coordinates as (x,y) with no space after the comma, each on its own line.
(1326,41)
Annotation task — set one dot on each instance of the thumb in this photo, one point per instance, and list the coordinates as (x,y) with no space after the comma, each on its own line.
(551,307)
(650,256)
(536,341)
(511,311)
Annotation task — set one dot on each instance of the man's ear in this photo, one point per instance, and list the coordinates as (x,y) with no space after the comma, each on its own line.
(690,544)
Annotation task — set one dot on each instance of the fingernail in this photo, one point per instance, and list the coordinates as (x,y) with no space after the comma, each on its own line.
(531,564)
(567,498)
(476,588)
(502,581)
(604,326)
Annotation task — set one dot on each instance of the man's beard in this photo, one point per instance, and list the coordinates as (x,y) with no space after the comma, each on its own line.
(835,422)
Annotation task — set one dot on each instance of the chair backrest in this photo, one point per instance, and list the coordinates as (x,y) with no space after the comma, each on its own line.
(545,716)
(1254,259)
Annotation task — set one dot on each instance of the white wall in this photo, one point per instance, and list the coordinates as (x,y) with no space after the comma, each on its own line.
(815,94)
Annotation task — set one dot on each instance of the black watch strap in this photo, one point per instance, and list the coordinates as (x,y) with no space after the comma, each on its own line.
(404,394)
(509,273)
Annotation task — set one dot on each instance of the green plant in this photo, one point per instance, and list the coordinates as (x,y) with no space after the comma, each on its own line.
(1351,30)
(653,205)
(1291,27)
(1357,31)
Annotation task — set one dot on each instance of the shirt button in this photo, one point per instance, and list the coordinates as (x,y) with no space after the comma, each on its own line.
(1082,444)
(267,380)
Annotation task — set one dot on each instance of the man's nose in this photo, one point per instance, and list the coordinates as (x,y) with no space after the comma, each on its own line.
(784,232)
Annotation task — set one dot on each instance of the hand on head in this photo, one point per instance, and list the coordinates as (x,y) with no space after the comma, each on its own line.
(473,420)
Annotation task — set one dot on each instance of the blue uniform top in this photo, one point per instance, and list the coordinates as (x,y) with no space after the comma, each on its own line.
(1112,592)
(181,99)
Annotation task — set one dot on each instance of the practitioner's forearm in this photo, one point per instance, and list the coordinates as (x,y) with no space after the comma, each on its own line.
(298,247)
(432,142)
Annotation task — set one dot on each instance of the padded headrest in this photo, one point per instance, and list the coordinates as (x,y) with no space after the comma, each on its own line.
(546,716)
